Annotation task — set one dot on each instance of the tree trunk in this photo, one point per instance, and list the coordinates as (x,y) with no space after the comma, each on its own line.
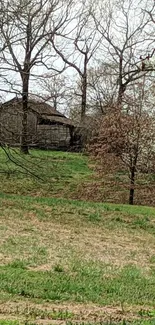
(25,74)
(24,135)
(121,92)
(84,89)
(132,183)
(84,99)
(122,87)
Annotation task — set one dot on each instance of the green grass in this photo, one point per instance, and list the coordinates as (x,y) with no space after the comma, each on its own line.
(45,173)
(49,254)
(62,259)
(146,322)
(67,175)
(82,282)
(7,322)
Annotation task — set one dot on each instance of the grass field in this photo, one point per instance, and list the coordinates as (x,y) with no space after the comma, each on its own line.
(65,261)
(45,173)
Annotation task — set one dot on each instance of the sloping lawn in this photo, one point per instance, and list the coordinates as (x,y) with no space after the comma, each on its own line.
(65,261)
(43,173)
(62,254)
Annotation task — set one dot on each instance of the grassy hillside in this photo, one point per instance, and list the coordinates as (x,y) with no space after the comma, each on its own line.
(66,261)
(76,254)
(68,175)
(43,173)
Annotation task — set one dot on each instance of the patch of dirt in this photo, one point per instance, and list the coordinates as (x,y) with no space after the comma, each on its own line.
(43,267)
(42,313)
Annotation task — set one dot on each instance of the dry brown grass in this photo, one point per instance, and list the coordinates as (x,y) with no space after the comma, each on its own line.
(46,235)
(64,234)
(42,313)
(103,188)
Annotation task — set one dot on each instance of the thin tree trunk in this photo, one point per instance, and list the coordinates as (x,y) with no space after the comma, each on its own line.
(24,135)
(84,99)
(132,183)
(25,80)
(84,89)
(121,92)
(122,87)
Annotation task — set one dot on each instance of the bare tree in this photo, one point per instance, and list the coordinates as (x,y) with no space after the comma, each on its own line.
(102,89)
(124,27)
(84,42)
(26,28)
(54,89)
(150,9)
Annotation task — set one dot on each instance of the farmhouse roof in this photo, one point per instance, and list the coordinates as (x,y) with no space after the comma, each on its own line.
(42,109)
